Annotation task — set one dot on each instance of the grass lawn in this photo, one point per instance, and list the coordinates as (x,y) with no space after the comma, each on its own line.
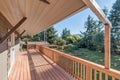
(96,57)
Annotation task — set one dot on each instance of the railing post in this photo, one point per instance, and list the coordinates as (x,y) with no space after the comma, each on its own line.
(107,46)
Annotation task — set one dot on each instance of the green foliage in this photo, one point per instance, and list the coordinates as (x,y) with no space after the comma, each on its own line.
(42,35)
(61,42)
(115,20)
(115,14)
(69,48)
(36,37)
(105,10)
(93,36)
(73,39)
(26,38)
(65,34)
(51,35)
(99,39)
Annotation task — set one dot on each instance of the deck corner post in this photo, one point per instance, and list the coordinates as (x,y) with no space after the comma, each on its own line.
(107,46)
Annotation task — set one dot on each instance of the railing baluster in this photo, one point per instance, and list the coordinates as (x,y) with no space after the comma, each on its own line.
(84,72)
(106,77)
(78,69)
(100,76)
(113,78)
(73,68)
(81,71)
(94,74)
(88,73)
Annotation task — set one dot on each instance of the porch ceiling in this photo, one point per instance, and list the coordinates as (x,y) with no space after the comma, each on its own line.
(39,15)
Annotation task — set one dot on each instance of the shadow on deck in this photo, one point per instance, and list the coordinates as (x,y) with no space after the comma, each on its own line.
(33,65)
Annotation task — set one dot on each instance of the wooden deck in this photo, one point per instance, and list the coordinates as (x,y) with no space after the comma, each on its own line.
(32,65)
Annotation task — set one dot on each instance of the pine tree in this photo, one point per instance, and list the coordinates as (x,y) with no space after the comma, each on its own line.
(36,37)
(90,33)
(65,34)
(115,14)
(51,35)
(93,36)
(115,20)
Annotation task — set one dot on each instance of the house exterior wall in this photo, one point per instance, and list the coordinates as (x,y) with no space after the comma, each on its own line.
(3,55)
(3,65)
(13,53)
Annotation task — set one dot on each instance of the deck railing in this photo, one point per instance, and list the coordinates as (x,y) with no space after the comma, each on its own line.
(79,68)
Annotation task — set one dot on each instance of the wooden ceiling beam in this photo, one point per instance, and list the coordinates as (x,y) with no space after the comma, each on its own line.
(45,1)
(17,32)
(13,29)
(21,34)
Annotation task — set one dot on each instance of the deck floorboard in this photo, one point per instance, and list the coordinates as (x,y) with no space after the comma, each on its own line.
(33,65)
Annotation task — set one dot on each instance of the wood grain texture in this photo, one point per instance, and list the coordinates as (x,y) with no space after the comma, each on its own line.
(107,44)
(40,15)
(36,66)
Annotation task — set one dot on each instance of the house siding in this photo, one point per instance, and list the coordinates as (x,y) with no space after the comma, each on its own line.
(3,65)
(3,54)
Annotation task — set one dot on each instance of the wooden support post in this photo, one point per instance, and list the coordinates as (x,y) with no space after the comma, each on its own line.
(13,29)
(107,46)
(20,35)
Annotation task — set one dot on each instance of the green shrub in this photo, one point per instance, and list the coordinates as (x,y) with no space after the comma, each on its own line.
(61,42)
(70,48)
(24,46)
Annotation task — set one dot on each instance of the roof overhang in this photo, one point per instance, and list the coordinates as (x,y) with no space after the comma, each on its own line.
(41,15)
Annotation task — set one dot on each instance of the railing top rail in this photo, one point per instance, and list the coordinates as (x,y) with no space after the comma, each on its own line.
(87,63)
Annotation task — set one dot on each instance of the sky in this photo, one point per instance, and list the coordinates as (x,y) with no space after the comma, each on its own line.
(76,23)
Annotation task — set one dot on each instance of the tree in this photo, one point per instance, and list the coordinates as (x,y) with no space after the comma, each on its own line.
(73,39)
(42,35)
(105,10)
(115,20)
(89,34)
(36,37)
(26,38)
(115,14)
(61,42)
(92,35)
(99,39)
(51,35)
(65,34)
